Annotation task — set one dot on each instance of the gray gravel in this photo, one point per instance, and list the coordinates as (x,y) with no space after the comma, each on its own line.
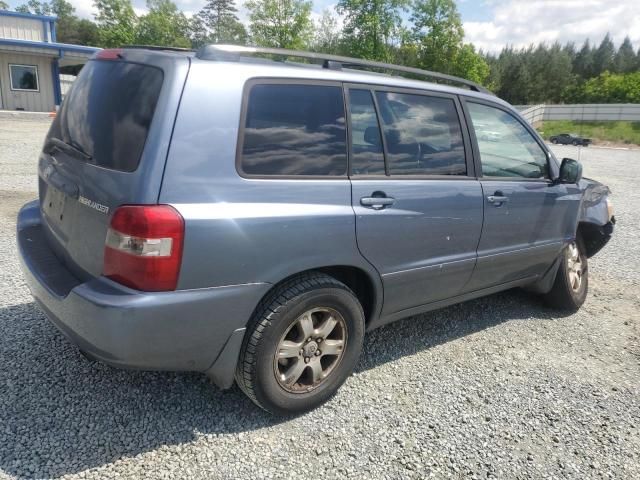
(499,387)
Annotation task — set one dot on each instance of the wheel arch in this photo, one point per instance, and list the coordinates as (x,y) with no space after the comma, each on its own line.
(366,285)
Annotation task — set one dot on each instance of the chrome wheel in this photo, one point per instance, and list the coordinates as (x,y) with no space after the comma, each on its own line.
(575,267)
(310,350)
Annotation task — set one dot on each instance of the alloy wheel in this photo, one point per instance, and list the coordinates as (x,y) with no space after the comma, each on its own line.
(310,350)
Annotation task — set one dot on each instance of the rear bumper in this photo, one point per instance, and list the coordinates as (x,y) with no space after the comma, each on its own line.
(181,330)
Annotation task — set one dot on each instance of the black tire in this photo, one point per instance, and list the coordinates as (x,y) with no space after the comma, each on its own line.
(575,143)
(277,315)
(554,141)
(563,294)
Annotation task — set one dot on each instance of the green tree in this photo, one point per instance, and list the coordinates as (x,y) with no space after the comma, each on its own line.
(438,31)
(4,5)
(583,62)
(438,34)
(69,28)
(280,23)
(220,22)
(327,37)
(609,88)
(116,21)
(515,78)
(371,26)
(163,25)
(604,56)
(469,64)
(36,7)
(625,60)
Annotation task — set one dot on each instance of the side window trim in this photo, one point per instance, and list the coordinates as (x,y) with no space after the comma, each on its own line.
(464,129)
(383,139)
(347,96)
(249,84)
(476,149)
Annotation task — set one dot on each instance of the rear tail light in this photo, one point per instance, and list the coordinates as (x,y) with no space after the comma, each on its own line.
(143,249)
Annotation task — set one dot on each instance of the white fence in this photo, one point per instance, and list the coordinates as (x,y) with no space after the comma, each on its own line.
(65,83)
(584,111)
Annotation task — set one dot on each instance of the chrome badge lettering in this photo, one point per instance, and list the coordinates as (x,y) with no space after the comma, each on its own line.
(95,205)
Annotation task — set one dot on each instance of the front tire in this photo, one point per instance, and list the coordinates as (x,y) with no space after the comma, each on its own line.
(301,345)
(570,288)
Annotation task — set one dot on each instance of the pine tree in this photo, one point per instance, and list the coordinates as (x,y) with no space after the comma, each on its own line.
(604,55)
(220,20)
(625,60)
(583,62)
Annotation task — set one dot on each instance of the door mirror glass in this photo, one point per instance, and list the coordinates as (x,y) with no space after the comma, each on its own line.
(570,171)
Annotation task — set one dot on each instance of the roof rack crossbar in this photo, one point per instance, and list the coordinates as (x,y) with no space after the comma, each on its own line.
(334,62)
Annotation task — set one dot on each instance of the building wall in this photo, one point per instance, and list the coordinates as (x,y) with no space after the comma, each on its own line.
(22,28)
(41,101)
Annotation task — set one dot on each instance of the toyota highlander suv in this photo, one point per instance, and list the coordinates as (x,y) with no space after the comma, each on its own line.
(229,213)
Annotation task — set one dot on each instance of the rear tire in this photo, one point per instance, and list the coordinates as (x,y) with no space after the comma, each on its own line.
(570,288)
(554,141)
(301,345)
(575,143)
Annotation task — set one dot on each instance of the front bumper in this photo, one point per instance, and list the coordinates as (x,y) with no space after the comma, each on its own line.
(181,330)
(595,237)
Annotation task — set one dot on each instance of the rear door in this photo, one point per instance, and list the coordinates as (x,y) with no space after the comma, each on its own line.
(418,205)
(527,217)
(107,147)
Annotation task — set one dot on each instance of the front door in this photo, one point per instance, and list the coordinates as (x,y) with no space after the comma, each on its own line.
(418,205)
(527,218)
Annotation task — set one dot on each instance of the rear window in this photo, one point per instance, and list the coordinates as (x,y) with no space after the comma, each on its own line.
(108,112)
(294,130)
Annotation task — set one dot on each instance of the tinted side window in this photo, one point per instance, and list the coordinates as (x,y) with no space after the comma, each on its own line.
(507,149)
(294,130)
(367,157)
(422,134)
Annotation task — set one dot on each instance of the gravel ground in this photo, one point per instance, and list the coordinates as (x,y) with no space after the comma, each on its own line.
(499,387)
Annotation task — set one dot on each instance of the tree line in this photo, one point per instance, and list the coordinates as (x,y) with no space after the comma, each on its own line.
(421,33)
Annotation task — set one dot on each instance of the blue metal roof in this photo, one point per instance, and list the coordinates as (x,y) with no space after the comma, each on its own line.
(64,47)
(48,18)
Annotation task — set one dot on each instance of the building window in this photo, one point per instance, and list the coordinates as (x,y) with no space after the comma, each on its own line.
(24,77)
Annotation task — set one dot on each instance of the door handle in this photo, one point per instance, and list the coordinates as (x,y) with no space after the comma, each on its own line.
(377,203)
(497,199)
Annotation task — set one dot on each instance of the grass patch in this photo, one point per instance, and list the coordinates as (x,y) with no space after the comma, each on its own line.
(618,131)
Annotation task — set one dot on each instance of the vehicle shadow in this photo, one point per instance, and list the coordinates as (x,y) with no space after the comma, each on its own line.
(61,414)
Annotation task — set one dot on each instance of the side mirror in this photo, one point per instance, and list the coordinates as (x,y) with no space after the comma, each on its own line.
(570,171)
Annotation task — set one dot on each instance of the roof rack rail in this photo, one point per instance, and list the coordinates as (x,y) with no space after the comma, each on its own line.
(334,62)
(159,47)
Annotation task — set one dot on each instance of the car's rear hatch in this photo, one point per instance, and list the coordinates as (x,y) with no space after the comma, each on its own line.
(107,147)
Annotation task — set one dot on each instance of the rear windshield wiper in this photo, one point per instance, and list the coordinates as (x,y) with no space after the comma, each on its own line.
(56,144)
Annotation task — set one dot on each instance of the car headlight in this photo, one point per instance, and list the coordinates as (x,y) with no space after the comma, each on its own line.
(609,208)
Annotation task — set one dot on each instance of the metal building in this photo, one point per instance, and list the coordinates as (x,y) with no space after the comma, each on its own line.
(30,61)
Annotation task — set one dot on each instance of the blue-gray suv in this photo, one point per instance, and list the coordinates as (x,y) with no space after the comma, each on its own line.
(230,213)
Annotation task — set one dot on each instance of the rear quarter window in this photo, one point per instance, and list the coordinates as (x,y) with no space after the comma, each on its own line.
(294,130)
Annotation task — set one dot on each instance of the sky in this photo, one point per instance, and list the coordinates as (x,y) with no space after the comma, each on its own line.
(493,24)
